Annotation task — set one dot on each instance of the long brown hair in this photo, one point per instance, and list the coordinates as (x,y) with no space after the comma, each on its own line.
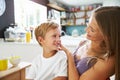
(108,19)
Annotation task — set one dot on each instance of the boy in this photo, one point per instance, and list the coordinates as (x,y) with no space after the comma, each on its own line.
(51,64)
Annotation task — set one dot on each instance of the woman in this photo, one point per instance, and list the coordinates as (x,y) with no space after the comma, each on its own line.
(97,58)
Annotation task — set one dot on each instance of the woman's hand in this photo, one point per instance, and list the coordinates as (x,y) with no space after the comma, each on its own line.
(61,47)
(72,71)
(68,53)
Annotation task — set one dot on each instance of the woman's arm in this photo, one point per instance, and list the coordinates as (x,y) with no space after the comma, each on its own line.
(61,78)
(72,71)
(102,70)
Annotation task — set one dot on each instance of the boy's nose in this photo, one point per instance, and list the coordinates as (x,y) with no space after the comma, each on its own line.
(58,40)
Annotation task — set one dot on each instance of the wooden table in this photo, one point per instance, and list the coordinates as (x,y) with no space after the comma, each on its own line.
(15,73)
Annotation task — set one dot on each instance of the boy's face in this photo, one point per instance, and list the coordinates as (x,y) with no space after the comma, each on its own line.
(52,40)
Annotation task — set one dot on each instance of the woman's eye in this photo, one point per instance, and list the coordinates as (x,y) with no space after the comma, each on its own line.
(92,30)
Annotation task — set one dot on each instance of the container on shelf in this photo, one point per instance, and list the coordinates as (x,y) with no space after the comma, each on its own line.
(28,36)
(75,33)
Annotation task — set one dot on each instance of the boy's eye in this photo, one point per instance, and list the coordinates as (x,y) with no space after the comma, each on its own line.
(54,35)
(60,36)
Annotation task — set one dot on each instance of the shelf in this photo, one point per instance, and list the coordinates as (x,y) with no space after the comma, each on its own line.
(73,25)
(75,18)
(56,7)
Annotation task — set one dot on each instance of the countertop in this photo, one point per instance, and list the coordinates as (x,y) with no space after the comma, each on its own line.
(65,40)
(33,49)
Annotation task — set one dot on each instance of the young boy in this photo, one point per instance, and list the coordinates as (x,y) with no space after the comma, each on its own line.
(51,64)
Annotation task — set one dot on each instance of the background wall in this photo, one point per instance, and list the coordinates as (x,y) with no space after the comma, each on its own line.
(8,17)
(111,3)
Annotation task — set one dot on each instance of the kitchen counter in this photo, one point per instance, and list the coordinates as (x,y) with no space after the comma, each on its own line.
(66,40)
(30,50)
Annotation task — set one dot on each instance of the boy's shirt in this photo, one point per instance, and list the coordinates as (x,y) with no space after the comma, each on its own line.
(48,68)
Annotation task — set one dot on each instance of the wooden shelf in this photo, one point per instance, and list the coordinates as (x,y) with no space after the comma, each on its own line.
(56,7)
(73,25)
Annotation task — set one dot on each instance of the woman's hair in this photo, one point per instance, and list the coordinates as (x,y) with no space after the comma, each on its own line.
(108,20)
(42,29)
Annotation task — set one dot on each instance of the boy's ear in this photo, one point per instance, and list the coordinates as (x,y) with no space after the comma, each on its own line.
(40,39)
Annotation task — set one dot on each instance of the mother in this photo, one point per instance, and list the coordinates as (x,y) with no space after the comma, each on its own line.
(99,56)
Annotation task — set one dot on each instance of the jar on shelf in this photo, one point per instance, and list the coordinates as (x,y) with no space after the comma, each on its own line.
(28,36)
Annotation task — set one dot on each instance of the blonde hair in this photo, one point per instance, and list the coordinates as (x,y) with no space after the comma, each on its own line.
(42,29)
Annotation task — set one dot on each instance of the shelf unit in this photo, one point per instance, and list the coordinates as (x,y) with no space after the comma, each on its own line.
(78,15)
(75,18)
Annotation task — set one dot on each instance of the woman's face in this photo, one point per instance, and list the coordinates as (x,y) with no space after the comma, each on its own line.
(93,31)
